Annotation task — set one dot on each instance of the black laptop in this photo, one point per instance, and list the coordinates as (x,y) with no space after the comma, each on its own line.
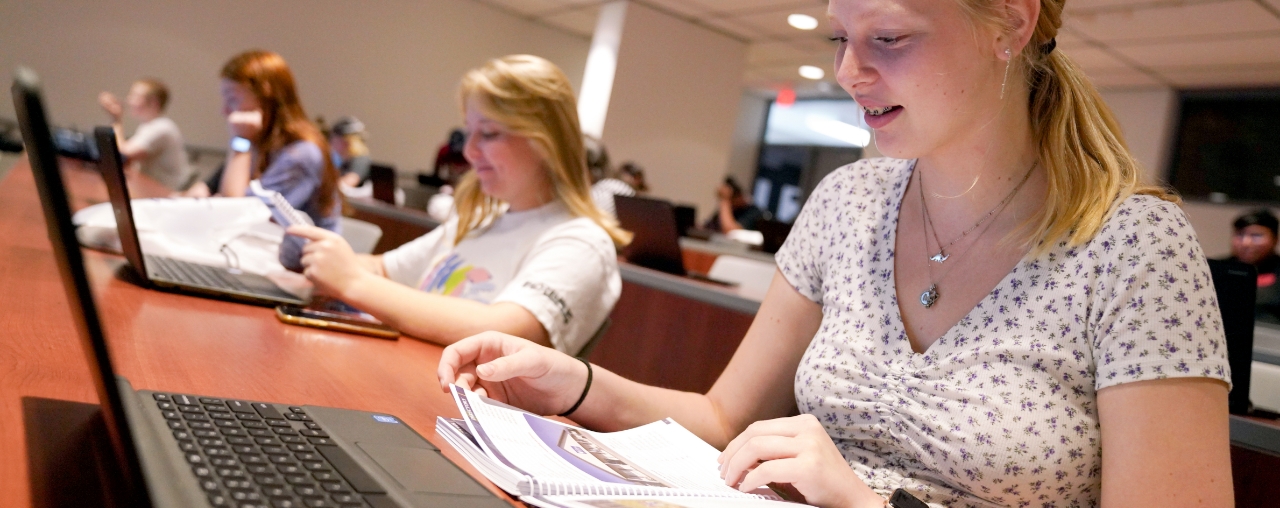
(656,243)
(175,274)
(177,449)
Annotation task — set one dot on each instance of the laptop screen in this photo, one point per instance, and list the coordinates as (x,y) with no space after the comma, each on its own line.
(1236,285)
(656,243)
(112,168)
(41,154)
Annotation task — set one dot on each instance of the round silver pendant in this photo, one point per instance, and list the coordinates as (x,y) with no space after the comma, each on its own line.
(929,296)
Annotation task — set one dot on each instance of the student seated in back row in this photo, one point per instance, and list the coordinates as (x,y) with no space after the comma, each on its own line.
(349,152)
(733,210)
(274,142)
(1253,241)
(997,316)
(526,252)
(156,148)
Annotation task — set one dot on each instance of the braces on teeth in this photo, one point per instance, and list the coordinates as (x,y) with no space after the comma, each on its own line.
(878,111)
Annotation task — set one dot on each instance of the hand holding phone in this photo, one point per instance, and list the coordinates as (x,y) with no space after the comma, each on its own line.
(350,322)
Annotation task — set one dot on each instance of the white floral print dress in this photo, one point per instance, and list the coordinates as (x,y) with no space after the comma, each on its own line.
(1001,410)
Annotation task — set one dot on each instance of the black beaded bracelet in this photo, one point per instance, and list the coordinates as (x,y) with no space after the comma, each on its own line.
(584,389)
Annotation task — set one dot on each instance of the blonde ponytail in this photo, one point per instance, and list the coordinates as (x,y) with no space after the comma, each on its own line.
(1079,142)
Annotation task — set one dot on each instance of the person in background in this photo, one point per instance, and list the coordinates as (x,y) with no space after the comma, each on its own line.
(1253,241)
(275,143)
(733,211)
(603,186)
(348,151)
(156,149)
(633,175)
(526,250)
(450,165)
(1066,352)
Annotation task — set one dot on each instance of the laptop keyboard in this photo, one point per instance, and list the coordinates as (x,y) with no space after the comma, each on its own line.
(196,274)
(252,455)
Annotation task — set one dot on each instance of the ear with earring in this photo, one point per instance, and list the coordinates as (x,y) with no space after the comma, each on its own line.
(1008,59)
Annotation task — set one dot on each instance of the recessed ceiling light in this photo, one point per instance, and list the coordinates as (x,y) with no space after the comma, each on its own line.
(802,21)
(811,72)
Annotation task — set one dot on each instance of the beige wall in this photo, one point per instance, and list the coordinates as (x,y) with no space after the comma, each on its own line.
(675,103)
(1147,117)
(753,112)
(394,64)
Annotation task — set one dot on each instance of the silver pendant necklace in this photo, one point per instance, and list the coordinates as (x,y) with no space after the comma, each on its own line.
(930,296)
(942,255)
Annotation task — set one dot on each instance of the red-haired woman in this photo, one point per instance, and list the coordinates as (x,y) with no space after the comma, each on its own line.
(275,142)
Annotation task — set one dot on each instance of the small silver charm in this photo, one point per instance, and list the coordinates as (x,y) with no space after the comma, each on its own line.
(939,257)
(930,296)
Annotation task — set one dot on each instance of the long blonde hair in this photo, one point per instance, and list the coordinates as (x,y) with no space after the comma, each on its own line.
(1078,140)
(533,99)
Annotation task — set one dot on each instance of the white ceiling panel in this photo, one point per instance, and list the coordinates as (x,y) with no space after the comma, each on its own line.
(1238,16)
(1192,43)
(744,6)
(1094,59)
(1121,78)
(774,24)
(1087,6)
(1214,77)
(788,72)
(579,21)
(1206,53)
(733,28)
(680,7)
(528,7)
(1067,40)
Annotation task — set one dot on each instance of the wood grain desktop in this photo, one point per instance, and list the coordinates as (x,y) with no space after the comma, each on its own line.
(165,341)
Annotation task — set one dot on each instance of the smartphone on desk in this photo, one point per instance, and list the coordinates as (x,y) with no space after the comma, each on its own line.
(351,322)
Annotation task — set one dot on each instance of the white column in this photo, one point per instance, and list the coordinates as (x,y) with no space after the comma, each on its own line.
(602,63)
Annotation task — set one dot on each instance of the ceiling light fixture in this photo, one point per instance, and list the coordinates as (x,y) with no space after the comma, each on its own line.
(802,21)
(811,72)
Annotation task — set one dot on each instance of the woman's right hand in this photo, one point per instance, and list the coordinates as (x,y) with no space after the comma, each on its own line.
(514,371)
(111,105)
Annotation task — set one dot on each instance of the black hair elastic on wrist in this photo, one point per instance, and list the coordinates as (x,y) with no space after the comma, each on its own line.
(1048,46)
(584,389)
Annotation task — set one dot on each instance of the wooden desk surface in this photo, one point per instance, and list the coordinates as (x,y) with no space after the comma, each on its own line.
(171,342)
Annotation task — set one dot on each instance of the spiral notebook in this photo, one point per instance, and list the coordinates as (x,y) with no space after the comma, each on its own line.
(549,463)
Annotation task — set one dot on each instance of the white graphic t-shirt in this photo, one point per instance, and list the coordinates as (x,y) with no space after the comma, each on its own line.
(563,269)
(167,158)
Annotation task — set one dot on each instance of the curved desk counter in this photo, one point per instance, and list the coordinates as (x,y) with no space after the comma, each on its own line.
(163,341)
(673,331)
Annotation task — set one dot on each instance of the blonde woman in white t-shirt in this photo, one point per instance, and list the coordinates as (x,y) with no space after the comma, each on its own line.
(998,315)
(527,252)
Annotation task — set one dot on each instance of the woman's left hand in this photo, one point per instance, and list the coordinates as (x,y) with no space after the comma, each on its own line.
(795,451)
(245,124)
(328,260)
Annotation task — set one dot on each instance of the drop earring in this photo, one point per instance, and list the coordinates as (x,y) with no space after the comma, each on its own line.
(1008,54)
